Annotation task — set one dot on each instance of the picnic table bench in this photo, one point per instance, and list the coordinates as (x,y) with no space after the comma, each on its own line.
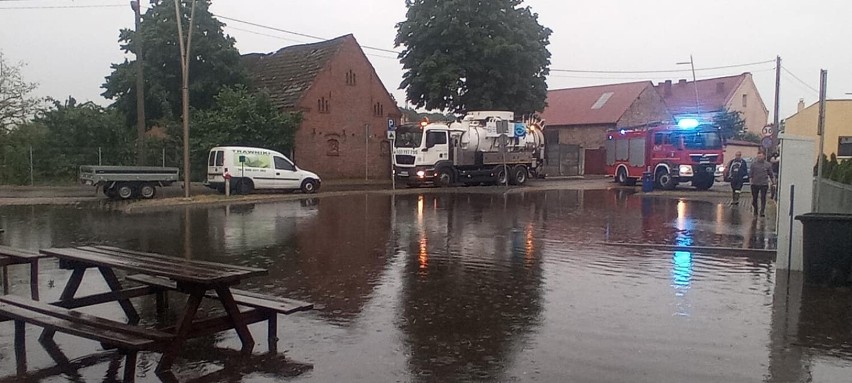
(12,256)
(158,275)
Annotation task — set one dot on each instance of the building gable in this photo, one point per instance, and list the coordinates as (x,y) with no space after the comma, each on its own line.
(594,105)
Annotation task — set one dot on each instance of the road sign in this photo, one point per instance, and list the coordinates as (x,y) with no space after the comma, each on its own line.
(766,142)
(767,130)
(391,134)
(391,124)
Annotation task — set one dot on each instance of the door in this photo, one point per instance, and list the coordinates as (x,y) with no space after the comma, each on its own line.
(286,174)
(595,161)
(437,147)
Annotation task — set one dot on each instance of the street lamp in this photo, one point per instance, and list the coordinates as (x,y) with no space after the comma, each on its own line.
(694,82)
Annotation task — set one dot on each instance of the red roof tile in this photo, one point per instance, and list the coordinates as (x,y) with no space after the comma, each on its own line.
(591,105)
(713,93)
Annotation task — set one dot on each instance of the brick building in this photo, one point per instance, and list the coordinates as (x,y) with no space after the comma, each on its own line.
(577,120)
(345,107)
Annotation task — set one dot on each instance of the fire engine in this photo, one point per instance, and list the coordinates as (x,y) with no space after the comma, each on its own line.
(689,151)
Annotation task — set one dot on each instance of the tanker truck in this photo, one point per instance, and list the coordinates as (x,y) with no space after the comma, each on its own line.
(482,148)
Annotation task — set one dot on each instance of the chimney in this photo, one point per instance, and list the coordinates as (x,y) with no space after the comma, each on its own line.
(720,87)
(801,105)
(667,88)
(681,81)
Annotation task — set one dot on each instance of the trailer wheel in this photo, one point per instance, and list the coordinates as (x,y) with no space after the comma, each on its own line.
(148,191)
(109,192)
(519,175)
(664,180)
(444,177)
(125,190)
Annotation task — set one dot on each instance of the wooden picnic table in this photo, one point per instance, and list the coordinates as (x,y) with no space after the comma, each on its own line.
(13,256)
(194,278)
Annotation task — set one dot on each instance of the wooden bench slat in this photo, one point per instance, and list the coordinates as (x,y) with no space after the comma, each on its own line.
(173,259)
(284,306)
(174,271)
(20,253)
(83,330)
(83,318)
(123,259)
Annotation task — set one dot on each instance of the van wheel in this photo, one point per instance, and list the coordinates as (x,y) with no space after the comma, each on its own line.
(125,191)
(148,191)
(245,186)
(519,175)
(309,186)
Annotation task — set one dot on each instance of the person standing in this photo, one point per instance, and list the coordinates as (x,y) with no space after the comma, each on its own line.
(734,173)
(760,175)
(775,161)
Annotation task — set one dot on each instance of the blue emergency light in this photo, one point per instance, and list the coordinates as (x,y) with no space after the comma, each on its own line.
(687,123)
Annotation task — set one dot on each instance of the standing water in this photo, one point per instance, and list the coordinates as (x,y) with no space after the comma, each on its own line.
(472,287)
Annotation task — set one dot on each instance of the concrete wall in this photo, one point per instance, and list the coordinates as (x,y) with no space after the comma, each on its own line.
(835,197)
(838,122)
(754,112)
(747,151)
(350,139)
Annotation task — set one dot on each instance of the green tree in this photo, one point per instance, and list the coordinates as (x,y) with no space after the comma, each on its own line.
(16,103)
(462,55)
(214,63)
(240,117)
(731,123)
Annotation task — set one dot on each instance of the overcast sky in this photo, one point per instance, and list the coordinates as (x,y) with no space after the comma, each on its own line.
(68,51)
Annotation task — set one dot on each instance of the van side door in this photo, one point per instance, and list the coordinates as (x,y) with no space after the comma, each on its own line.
(286,174)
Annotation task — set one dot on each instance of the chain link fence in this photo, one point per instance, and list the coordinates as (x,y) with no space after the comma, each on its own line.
(41,165)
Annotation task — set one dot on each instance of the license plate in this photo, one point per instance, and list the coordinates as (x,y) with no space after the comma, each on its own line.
(403,174)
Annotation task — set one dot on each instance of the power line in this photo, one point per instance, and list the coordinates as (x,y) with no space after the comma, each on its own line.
(659,71)
(799,80)
(65,6)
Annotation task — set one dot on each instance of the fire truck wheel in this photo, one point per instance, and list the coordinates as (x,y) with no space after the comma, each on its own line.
(519,175)
(703,184)
(664,180)
(621,176)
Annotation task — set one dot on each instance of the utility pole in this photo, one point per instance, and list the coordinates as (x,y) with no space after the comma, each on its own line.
(694,82)
(776,124)
(823,82)
(140,86)
(184,66)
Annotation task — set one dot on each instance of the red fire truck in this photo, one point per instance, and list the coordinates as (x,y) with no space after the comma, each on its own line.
(686,152)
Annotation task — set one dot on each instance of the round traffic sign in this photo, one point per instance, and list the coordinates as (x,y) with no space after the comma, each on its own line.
(766,142)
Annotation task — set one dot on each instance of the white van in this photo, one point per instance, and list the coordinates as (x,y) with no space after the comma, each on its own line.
(256,168)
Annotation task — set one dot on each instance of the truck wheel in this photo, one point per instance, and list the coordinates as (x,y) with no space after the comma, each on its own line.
(125,191)
(444,177)
(499,175)
(703,183)
(148,191)
(309,186)
(664,180)
(245,186)
(621,177)
(519,175)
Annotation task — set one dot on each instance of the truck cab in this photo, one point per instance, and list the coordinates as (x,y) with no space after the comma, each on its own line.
(418,148)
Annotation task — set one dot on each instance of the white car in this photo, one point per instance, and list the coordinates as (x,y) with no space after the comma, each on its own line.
(250,169)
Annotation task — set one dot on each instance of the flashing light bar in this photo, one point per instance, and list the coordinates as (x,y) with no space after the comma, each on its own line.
(687,123)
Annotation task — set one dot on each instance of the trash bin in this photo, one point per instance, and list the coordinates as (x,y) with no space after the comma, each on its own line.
(827,248)
(647,182)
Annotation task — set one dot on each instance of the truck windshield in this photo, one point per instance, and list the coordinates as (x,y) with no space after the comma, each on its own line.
(410,139)
(701,140)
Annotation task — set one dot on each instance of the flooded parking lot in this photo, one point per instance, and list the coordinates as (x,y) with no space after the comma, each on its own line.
(473,287)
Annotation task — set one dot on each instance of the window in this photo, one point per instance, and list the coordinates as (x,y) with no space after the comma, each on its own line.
(281,163)
(212,159)
(220,158)
(322,105)
(350,78)
(378,109)
(658,138)
(745,101)
(332,148)
(436,138)
(844,146)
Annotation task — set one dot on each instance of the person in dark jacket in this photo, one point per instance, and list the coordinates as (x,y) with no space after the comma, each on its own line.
(775,160)
(734,173)
(760,175)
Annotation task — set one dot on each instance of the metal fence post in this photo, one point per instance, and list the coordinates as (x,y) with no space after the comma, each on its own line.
(99,156)
(32,178)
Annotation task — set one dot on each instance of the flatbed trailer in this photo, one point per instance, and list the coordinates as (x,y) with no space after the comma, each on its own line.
(128,182)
